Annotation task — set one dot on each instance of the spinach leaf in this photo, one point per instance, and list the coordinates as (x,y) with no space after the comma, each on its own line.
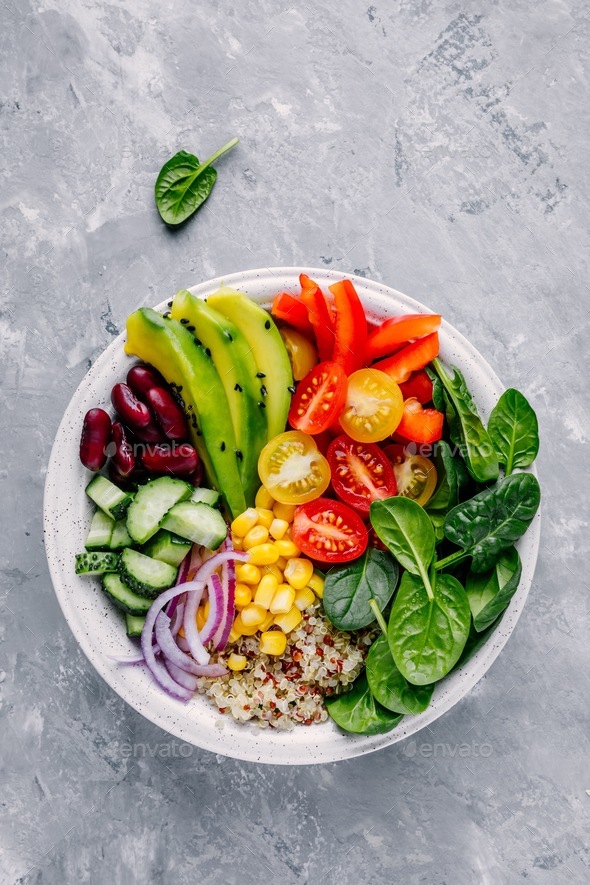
(427,635)
(476,446)
(446,495)
(358,711)
(407,532)
(438,392)
(492,521)
(514,430)
(184,184)
(475,641)
(490,592)
(389,687)
(349,589)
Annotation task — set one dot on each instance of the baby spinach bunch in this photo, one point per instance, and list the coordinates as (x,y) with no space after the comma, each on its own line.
(446,606)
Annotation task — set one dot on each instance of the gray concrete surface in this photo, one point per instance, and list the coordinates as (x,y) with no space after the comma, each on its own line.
(442,148)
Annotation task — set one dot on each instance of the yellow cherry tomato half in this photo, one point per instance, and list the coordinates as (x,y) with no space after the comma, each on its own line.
(292,468)
(302,353)
(374,406)
(415,475)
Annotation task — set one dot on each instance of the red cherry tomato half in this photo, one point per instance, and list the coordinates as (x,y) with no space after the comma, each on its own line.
(329,531)
(319,399)
(361,473)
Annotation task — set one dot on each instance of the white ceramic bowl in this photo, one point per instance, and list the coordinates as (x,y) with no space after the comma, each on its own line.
(100,630)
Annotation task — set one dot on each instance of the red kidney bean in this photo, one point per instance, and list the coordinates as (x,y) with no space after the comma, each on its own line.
(96,435)
(180,460)
(138,477)
(150,434)
(141,379)
(123,458)
(168,413)
(132,412)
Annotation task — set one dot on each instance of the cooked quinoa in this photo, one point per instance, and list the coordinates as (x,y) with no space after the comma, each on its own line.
(280,692)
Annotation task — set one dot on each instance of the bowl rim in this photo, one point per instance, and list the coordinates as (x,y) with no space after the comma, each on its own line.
(245,748)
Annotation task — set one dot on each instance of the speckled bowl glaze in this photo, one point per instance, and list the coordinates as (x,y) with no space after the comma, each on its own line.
(100,631)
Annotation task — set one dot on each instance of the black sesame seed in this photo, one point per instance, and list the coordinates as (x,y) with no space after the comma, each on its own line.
(238,388)
(167,315)
(184,321)
(207,351)
(169,304)
(291,389)
(263,390)
(178,387)
(222,447)
(228,335)
(239,455)
(260,375)
(199,433)
(267,324)
(190,328)
(190,408)
(262,405)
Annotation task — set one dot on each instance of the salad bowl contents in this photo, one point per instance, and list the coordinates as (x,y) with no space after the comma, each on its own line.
(300,516)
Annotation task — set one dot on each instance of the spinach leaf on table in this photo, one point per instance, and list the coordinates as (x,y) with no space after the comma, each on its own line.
(476,446)
(426,634)
(492,521)
(184,184)
(349,589)
(389,687)
(358,711)
(490,592)
(514,430)
(407,532)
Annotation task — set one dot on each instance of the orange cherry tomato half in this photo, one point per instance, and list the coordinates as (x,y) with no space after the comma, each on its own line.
(329,531)
(419,424)
(374,406)
(319,398)
(361,473)
(292,468)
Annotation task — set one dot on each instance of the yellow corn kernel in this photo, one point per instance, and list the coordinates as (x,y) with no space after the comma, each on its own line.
(263,554)
(237,542)
(283,599)
(244,522)
(289,620)
(287,548)
(284,511)
(201,617)
(236,662)
(207,606)
(272,570)
(267,623)
(234,634)
(266,590)
(265,517)
(273,643)
(242,629)
(264,499)
(281,563)
(298,572)
(253,615)
(277,528)
(243,595)
(246,573)
(304,598)
(316,582)
(257,535)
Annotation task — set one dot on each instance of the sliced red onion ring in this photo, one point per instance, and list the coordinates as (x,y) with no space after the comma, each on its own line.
(228,583)
(182,677)
(170,649)
(216,609)
(196,648)
(135,659)
(176,620)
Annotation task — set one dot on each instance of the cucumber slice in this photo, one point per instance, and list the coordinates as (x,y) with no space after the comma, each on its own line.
(145,575)
(108,497)
(101,532)
(151,504)
(206,496)
(120,537)
(134,624)
(198,523)
(123,597)
(167,548)
(96,563)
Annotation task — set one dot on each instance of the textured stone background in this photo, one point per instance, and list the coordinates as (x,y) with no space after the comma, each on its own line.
(442,148)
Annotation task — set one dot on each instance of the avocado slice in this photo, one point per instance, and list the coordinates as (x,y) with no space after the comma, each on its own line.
(268,349)
(237,369)
(185,364)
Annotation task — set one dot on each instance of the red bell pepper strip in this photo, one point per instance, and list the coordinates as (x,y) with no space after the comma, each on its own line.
(350,327)
(400,330)
(409,359)
(418,386)
(419,424)
(319,316)
(293,311)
